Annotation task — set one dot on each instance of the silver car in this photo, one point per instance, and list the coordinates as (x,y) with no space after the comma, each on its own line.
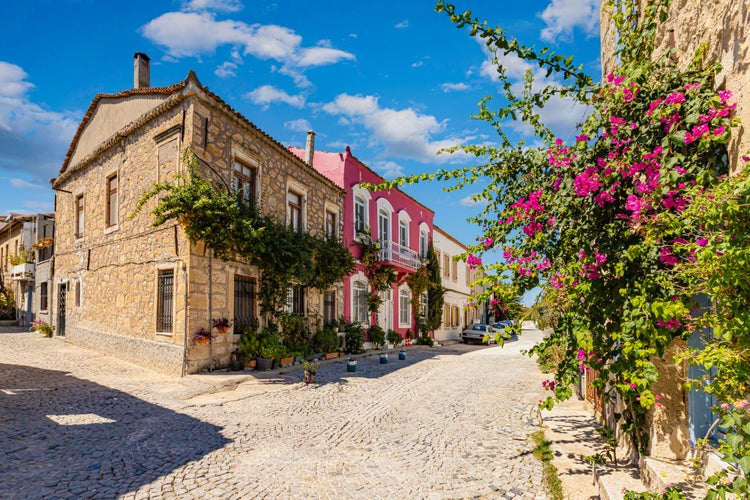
(477,332)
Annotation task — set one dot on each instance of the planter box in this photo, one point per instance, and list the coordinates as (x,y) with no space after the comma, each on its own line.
(286,362)
(250,364)
(331,355)
(263,364)
(22,272)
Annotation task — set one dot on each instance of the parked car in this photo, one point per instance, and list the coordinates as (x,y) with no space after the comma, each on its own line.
(501,326)
(477,332)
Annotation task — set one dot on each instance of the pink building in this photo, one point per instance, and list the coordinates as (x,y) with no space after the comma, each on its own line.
(402,225)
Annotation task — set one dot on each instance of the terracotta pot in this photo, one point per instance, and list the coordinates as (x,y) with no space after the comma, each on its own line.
(223,330)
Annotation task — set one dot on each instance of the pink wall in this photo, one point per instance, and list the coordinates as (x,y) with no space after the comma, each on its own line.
(347,172)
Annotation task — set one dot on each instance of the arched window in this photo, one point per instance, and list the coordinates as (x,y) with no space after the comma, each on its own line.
(359,301)
(404,307)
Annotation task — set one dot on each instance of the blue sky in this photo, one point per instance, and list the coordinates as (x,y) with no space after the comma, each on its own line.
(393,80)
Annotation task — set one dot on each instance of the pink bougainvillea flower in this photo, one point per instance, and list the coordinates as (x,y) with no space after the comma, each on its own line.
(667,258)
(488,242)
(582,138)
(600,258)
(633,385)
(473,261)
(701,242)
(672,324)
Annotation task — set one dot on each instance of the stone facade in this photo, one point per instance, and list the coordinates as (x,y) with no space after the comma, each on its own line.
(108,278)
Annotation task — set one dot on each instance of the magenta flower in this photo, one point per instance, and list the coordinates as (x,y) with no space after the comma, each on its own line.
(667,258)
(702,242)
(473,261)
(633,385)
(488,242)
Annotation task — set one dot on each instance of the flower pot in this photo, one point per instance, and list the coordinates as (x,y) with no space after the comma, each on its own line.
(250,364)
(383,359)
(202,340)
(351,366)
(331,355)
(223,330)
(286,361)
(402,355)
(263,364)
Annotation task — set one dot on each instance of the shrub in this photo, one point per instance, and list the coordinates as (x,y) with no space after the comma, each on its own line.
(326,340)
(377,336)
(42,327)
(425,340)
(354,339)
(394,337)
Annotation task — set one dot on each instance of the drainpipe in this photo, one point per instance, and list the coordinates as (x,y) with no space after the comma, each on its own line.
(210,311)
(183,268)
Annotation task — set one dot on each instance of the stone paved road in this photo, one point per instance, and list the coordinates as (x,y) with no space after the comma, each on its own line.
(449,422)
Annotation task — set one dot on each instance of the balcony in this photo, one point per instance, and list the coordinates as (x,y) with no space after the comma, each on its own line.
(22,272)
(396,254)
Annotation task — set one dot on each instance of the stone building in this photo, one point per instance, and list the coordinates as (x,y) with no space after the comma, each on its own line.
(456,280)
(723,26)
(139,292)
(28,238)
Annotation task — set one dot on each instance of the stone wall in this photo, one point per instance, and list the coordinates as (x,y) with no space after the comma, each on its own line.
(110,274)
(724,26)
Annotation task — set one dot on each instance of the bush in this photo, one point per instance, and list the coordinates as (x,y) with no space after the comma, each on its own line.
(326,340)
(425,340)
(7,313)
(377,336)
(42,327)
(550,357)
(354,339)
(394,337)
(249,344)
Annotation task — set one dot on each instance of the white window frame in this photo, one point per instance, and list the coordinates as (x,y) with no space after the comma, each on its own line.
(359,278)
(296,189)
(424,239)
(365,197)
(404,228)
(404,292)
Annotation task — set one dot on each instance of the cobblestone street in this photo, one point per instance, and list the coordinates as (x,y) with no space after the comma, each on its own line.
(449,422)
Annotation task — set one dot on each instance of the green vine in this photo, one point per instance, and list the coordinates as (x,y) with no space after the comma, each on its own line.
(208,212)
(380,275)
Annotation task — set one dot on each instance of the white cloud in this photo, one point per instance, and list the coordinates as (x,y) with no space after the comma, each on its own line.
(195,33)
(217,5)
(24,184)
(468,201)
(33,139)
(403,24)
(388,169)
(267,94)
(404,133)
(563,16)
(226,70)
(299,125)
(417,64)
(454,87)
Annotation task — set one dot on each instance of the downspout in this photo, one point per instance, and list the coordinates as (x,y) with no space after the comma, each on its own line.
(183,267)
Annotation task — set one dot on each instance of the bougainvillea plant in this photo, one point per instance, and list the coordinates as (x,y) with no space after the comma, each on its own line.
(624,223)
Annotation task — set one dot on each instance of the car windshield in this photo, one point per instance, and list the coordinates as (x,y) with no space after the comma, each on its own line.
(499,325)
(480,327)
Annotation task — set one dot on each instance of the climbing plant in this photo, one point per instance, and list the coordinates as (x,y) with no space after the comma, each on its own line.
(598,220)
(381,276)
(210,213)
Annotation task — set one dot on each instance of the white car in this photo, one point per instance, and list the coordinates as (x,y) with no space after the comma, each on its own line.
(477,333)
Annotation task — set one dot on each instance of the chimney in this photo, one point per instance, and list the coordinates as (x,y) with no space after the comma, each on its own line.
(310,148)
(141,71)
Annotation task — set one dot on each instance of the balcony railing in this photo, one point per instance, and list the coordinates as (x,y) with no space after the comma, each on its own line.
(22,272)
(393,252)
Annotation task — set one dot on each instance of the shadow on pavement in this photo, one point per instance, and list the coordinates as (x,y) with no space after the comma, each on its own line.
(66,437)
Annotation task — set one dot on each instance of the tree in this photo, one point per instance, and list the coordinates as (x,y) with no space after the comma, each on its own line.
(435,291)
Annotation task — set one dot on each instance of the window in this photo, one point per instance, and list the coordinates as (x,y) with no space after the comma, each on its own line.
(359,302)
(43,300)
(244,184)
(329,308)
(330,223)
(360,215)
(79,217)
(423,305)
(403,233)
(112,200)
(244,303)
(77,294)
(164,300)
(384,233)
(404,307)
(446,265)
(295,301)
(423,244)
(454,316)
(294,203)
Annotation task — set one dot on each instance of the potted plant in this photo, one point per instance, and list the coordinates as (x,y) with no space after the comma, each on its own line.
(268,350)
(249,345)
(402,354)
(351,365)
(222,325)
(328,342)
(311,368)
(354,339)
(202,336)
